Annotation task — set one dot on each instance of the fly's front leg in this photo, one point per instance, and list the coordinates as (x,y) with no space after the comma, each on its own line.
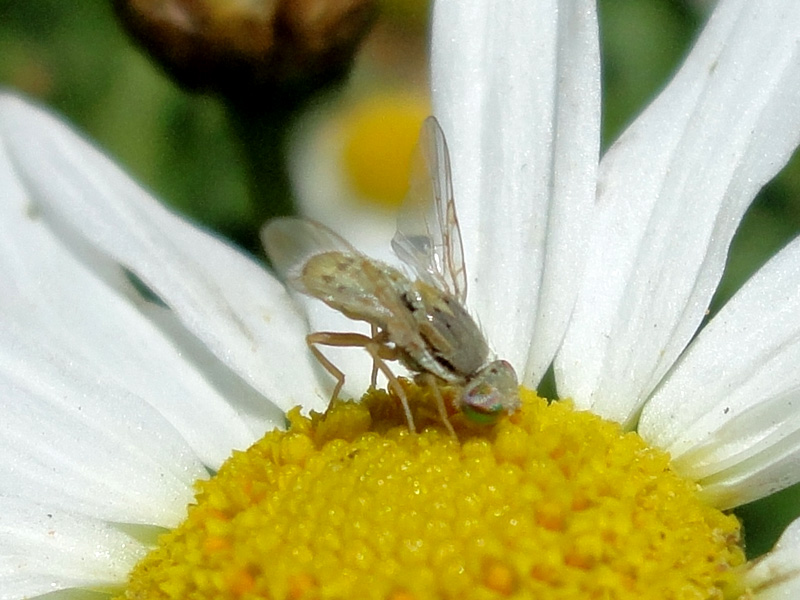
(429,381)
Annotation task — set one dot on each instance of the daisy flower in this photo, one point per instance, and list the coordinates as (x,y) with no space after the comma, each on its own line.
(137,352)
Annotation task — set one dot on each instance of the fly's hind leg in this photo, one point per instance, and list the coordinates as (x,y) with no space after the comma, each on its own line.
(377,350)
(328,338)
(336,339)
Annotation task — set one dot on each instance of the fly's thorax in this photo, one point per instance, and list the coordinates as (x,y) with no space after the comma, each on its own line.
(451,334)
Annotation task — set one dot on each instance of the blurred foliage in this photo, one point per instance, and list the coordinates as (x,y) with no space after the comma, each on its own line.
(75,58)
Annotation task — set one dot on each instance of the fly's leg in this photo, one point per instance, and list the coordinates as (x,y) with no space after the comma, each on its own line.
(328,338)
(373,380)
(374,350)
(381,340)
(429,381)
(377,350)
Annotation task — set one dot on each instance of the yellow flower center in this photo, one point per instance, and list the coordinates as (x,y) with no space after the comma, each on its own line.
(380,135)
(548,503)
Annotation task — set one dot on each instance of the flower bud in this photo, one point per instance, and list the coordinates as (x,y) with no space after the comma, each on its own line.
(253,52)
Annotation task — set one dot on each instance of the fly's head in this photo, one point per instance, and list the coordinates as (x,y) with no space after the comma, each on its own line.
(490,392)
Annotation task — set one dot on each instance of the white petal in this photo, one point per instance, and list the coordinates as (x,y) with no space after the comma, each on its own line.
(228,301)
(45,550)
(776,575)
(516,88)
(672,191)
(53,298)
(729,414)
(72,433)
(73,424)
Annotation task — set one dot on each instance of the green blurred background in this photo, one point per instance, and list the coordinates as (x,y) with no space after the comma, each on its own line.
(76,58)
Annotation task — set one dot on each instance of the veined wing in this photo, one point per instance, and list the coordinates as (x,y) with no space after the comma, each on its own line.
(428,237)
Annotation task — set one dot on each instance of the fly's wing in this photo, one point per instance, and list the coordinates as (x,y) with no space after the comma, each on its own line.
(428,238)
(290,242)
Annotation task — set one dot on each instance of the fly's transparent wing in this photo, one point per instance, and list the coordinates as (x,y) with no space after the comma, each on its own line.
(428,238)
(290,242)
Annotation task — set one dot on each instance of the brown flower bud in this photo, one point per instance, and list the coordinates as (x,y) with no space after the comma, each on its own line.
(253,52)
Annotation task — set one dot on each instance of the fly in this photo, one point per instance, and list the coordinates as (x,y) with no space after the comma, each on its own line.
(421,323)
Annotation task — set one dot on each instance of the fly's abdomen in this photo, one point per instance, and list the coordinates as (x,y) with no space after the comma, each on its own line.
(346,284)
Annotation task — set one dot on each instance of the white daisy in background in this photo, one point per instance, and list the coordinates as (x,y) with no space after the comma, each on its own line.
(343,172)
(115,401)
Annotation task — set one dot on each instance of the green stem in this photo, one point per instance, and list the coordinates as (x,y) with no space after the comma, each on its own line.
(262,137)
